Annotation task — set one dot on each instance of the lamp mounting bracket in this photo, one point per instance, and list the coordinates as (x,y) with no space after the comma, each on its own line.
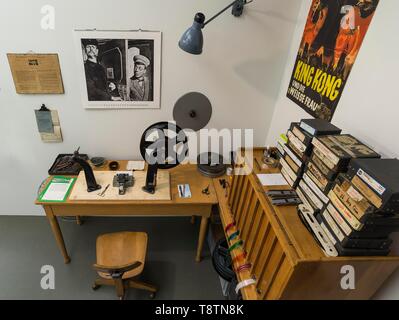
(238,8)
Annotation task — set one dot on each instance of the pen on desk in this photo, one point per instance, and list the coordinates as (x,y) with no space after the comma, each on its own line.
(102,194)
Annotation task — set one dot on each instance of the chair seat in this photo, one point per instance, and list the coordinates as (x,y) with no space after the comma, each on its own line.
(121,248)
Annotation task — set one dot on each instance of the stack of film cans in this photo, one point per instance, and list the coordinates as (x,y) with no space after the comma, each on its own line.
(352,194)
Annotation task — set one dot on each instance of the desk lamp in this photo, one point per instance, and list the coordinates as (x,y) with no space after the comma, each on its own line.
(192,40)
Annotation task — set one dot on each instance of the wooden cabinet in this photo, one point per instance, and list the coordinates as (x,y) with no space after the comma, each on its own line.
(286,261)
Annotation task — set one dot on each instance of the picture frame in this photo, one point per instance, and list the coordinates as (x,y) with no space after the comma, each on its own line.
(119,69)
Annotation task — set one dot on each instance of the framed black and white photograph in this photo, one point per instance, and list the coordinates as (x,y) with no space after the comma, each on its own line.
(119,69)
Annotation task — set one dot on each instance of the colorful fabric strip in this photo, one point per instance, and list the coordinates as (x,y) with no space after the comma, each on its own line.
(229,226)
(244,283)
(235,245)
(234,235)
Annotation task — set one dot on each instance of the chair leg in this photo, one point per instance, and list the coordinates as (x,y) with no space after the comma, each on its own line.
(120,288)
(141,285)
(102,282)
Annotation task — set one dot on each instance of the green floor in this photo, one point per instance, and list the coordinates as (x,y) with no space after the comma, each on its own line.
(27,243)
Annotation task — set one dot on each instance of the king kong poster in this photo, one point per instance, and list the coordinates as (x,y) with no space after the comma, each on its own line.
(333,35)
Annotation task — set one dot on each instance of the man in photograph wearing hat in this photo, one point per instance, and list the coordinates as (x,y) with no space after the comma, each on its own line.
(140,83)
(97,87)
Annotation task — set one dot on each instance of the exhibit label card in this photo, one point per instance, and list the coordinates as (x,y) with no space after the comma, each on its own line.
(36,73)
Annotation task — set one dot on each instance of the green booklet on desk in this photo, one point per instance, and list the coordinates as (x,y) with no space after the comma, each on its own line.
(57,190)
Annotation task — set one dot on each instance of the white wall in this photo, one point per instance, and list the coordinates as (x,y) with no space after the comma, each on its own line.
(240,71)
(368,107)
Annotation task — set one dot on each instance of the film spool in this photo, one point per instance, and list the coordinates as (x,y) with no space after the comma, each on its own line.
(211,164)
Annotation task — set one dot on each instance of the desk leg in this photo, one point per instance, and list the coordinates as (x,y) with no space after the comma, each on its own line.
(57,233)
(201,239)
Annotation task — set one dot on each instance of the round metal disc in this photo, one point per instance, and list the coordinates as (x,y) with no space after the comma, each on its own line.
(192,111)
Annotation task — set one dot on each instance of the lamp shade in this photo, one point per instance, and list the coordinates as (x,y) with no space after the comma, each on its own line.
(192,40)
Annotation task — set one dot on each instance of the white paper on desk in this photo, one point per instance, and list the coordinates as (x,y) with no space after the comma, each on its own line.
(135,165)
(57,191)
(272,179)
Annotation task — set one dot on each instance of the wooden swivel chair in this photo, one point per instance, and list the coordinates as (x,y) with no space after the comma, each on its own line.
(120,259)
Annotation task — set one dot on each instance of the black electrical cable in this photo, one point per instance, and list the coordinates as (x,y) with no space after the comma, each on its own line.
(221,260)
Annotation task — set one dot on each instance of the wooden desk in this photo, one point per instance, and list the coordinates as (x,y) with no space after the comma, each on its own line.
(286,260)
(198,205)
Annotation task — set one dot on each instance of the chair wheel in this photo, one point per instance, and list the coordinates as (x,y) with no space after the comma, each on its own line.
(95,287)
(152,295)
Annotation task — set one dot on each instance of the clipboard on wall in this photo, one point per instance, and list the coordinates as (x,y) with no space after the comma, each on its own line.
(48,124)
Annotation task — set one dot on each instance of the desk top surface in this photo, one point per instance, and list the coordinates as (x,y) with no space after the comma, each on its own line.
(182,174)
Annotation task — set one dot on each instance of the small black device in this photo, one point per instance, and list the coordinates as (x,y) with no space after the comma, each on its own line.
(278,194)
(206,191)
(286,202)
(284,197)
(91,182)
(319,127)
(97,161)
(114,165)
(122,181)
